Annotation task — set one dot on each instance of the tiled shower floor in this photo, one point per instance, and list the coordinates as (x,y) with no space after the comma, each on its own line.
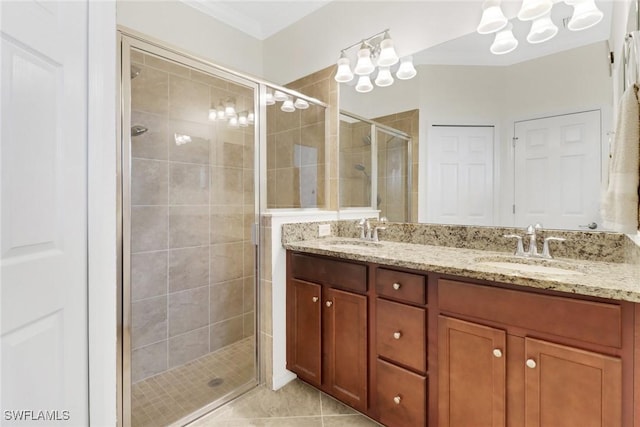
(167,397)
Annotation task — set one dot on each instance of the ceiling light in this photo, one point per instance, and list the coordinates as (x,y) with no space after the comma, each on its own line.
(585,15)
(287,106)
(542,29)
(301,104)
(406,70)
(279,96)
(504,42)
(388,55)
(269,100)
(384,77)
(364,66)
(534,9)
(344,73)
(492,17)
(364,84)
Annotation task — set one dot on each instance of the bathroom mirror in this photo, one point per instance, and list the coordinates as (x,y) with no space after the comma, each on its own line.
(508,139)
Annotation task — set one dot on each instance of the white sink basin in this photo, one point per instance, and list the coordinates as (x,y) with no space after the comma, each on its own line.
(530,268)
(353,244)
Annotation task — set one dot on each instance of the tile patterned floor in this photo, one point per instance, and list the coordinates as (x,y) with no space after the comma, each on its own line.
(172,395)
(295,405)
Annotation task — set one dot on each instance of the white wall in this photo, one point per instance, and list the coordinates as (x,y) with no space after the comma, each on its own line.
(191,31)
(403,95)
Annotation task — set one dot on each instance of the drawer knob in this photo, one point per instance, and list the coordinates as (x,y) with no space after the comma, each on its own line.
(497,352)
(329,303)
(397,335)
(531,363)
(314,299)
(397,400)
(396,286)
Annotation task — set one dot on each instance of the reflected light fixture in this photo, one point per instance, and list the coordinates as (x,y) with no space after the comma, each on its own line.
(251,117)
(242,119)
(181,139)
(280,96)
(269,99)
(585,15)
(230,108)
(301,104)
(376,58)
(287,105)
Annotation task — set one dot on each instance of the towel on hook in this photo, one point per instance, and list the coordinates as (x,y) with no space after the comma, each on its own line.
(620,200)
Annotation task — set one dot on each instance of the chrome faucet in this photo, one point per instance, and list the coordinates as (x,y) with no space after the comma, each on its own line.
(365,229)
(382,226)
(532,231)
(532,251)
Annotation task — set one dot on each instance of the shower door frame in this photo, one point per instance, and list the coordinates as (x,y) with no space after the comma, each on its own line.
(128,39)
(375,127)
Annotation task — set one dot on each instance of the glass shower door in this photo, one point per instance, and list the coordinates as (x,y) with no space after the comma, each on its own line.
(189,205)
(393,196)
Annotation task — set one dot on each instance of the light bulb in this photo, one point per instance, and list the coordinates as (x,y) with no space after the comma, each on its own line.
(493,18)
(364,84)
(542,29)
(364,66)
(388,55)
(301,104)
(287,106)
(384,77)
(504,42)
(406,70)
(269,100)
(279,96)
(213,114)
(344,73)
(585,15)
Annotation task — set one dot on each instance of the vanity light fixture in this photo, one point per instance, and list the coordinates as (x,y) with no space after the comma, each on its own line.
(301,104)
(376,59)
(585,15)
(269,99)
(280,96)
(287,105)
(230,108)
(243,121)
(251,118)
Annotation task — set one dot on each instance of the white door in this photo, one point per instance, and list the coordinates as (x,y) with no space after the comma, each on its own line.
(460,175)
(43,288)
(557,171)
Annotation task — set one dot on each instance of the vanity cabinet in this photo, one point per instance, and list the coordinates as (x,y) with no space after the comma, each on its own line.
(327,326)
(496,370)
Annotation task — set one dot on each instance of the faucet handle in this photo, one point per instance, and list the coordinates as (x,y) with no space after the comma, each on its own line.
(546,253)
(362,225)
(519,248)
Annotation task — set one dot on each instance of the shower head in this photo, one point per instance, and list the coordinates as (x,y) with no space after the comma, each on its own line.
(135,71)
(366,139)
(360,167)
(138,130)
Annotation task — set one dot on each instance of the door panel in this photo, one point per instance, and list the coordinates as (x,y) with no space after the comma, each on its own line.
(471,376)
(570,387)
(460,184)
(557,170)
(304,330)
(44,209)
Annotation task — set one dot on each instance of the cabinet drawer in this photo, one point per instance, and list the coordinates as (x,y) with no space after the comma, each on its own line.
(401,286)
(593,322)
(400,334)
(339,274)
(401,396)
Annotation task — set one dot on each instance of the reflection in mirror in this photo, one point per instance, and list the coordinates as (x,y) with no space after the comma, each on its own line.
(545,109)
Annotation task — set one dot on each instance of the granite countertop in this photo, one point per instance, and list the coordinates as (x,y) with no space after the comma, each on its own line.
(600,279)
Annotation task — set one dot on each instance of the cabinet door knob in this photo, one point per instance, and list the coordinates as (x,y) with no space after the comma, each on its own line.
(531,363)
(329,303)
(397,400)
(497,352)
(396,286)
(397,335)
(314,299)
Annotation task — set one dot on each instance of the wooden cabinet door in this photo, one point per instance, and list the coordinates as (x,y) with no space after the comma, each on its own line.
(304,330)
(471,374)
(345,340)
(567,387)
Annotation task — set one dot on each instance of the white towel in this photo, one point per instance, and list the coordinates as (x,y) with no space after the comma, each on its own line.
(620,200)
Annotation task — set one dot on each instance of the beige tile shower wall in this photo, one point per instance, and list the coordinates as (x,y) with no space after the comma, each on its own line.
(192,262)
(322,86)
(408,122)
(355,150)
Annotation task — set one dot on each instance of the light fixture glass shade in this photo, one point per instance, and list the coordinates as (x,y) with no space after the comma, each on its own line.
(364,84)
(384,77)
(233,122)
(534,9)
(344,73)
(229,109)
(269,100)
(251,117)
(301,104)
(213,114)
(242,119)
(388,55)
(542,29)
(220,110)
(279,96)
(364,66)
(287,106)
(406,70)
(504,42)
(492,18)
(585,15)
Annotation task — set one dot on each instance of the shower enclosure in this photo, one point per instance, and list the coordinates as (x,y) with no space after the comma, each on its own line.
(190,206)
(375,167)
